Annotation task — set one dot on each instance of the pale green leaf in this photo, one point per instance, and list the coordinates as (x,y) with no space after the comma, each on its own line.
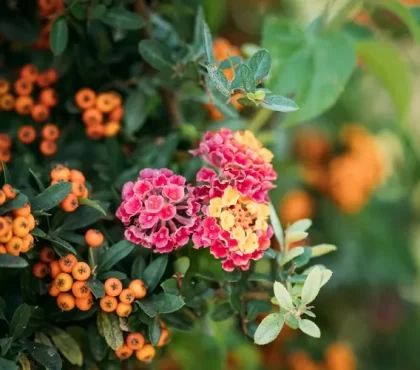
(301,225)
(283,296)
(269,329)
(312,286)
(290,255)
(321,249)
(309,328)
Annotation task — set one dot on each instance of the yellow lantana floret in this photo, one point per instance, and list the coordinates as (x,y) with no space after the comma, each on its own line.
(248,138)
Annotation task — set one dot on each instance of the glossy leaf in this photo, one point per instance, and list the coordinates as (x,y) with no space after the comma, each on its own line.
(51,196)
(59,35)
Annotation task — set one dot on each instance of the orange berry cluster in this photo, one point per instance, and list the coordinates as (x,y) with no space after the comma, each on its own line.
(47,10)
(68,283)
(5,149)
(50,133)
(102,113)
(62,173)
(15,227)
(120,300)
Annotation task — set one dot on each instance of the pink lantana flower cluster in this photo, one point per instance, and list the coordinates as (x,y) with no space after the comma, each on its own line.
(159,210)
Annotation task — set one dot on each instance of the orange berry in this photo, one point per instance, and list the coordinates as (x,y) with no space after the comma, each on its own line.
(80,289)
(124,352)
(48,147)
(50,132)
(3,249)
(63,282)
(7,102)
(146,354)
(164,336)
(66,301)
(47,254)
(4,86)
(5,141)
(31,222)
(92,116)
(108,304)
(77,176)
(43,80)
(138,288)
(135,341)
(5,155)
(70,203)
(67,263)
(24,105)
(53,291)
(123,309)
(95,132)
(77,189)
(86,193)
(113,287)
(105,102)
(6,238)
(117,114)
(40,112)
(9,191)
(4,226)
(55,269)
(52,75)
(24,211)
(40,270)
(29,72)
(60,172)
(23,87)
(85,98)
(112,129)
(94,238)
(20,227)
(81,271)
(27,243)
(26,134)
(85,303)
(14,245)
(48,97)
(126,296)
(115,98)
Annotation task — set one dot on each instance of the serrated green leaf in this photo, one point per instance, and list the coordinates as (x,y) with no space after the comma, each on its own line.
(154,272)
(67,345)
(51,197)
(114,254)
(269,329)
(283,296)
(309,328)
(122,18)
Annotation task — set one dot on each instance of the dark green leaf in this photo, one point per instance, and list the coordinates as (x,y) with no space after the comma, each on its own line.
(304,258)
(260,64)
(154,272)
(91,203)
(16,203)
(219,80)
(222,312)
(257,276)
(123,18)
(206,275)
(71,237)
(198,31)
(6,174)
(82,217)
(156,54)
(7,364)
(279,104)
(5,344)
(45,355)
(61,246)
(247,77)
(114,254)
(20,320)
(39,183)
(59,35)
(232,61)
(256,307)
(51,196)
(67,345)
(2,309)
(135,112)
(219,101)
(96,287)
(179,320)
(208,42)
(170,286)
(113,274)
(137,269)
(98,11)
(233,276)
(155,330)
(161,303)
(9,261)
(109,327)
(97,343)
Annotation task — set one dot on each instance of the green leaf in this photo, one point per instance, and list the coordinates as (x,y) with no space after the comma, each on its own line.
(247,77)
(71,237)
(270,253)
(2,309)
(7,364)
(61,246)
(219,101)
(9,261)
(138,267)
(45,355)
(304,258)
(96,287)
(325,276)
(312,286)
(123,18)
(91,203)
(257,276)
(160,304)
(292,322)
(109,326)
(113,274)
(295,236)
(154,331)
(222,312)
(59,35)
(156,54)
(82,217)
(20,320)
(97,344)
(51,196)
(6,174)
(154,272)
(39,183)
(179,320)
(67,345)
(199,31)
(283,296)
(219,80)
(232,276)
(322,249)
(208,42)
(170,286)
(301,225)
(260,64)
(5,344)
(279,104)
(309,328)
(256,307)
(98,11)
(181,265)
(229,62)
(20,200)
(292,254)
(135,112)
(275,223)
(385,62)
(114,254)
(269,329)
